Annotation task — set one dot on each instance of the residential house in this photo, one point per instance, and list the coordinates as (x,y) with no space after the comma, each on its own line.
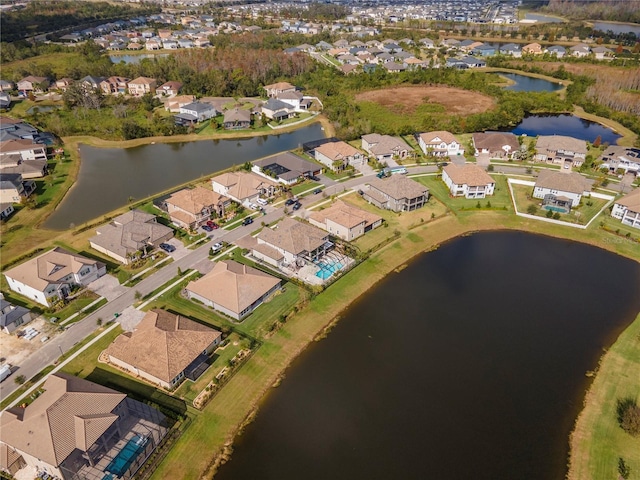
(153,44)
(439,144)
(33,84)
(79,429)
(165,349)
(130,235)
(580,50)
(5,100)
(114,86)
(602,53)
(532,49)
(244,187)
(170,88)
(13,188)
(427,43)
(6,209)
(291,242)
(561,150)
(174,104)
(233,288)
(195,112)
(6,85)
(26,149)
(496,144)
(384,147)
(468,180)
(558,50)
(473,62)
(64,83)
(52,275)
(191,207)
(286,167)
(141,86)
(562,189)
(484,50)
(91,83)
(511,49)
(627,209)
(274,89)
(345,221)
(396,193)
(293,99)
(337,155)
(617,158)
(278,110)
(12,316)
(28,169)
(236,119)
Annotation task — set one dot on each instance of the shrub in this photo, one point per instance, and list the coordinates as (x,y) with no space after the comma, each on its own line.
(556,216)
(629,416)
(549,214)
(532,209)
(20,379)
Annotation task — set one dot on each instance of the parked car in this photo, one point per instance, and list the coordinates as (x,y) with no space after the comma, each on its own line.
(290,201)
(247,221)
(167,247)
(317,191)
(314,178)
(297,205)
(262,201)
(253,206)
(207,228)
(212,224)
(217,247)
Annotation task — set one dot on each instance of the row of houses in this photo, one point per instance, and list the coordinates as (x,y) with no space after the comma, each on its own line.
(107,85)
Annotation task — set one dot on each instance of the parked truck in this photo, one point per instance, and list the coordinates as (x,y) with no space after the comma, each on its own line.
(5,371)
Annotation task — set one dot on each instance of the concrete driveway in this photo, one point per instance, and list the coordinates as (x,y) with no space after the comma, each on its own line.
(108,287)
(130,318)
(180,251)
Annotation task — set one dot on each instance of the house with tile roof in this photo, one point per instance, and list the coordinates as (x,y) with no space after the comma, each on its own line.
(12,316)
(337,155)
(236,119)
(627,209)
(617,157)
(274,89)
(244,187)
(79,429)
(566,187)
(344,220)
(495,144)
(191,207)
(291,241)
(165,348)
(52,275)
(440,144)
(385,147)
(13,188)
(468,181)
(233,288)
(561,150)
(130,235)
(286,168)
(142,85)
(396,193)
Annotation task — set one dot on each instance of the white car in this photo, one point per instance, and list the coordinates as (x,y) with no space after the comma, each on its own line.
(262,201)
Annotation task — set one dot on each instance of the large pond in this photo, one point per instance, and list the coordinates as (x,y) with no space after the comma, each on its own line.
(618,28)
(524,83)
(108,177)
(468,364)
(135,58)
(542,18)
(565,124)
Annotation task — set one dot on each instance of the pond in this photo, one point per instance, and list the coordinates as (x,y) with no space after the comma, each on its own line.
(525,83)
(542,18)
(565,124)
(42,109)
(618,28)
(468,364)
(135,58)
(108,177)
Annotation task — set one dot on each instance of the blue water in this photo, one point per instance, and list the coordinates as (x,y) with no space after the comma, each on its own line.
(328,268)
(618,28)
(135,58)
(530,84)
(542,18)
(565,124)
(126,456)
(555,209)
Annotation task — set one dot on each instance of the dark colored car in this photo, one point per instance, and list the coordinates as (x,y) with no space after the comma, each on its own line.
(297,205)
(212,224)
(167,247)
(314,178)
(317,191)
(207,228)
(290,201)
(247,221)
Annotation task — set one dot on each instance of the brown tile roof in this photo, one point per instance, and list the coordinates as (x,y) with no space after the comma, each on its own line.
(385,144)
(19,145)
(337,150)
(130,232)
(279,86)
(561,142)
(571,182)
(268,251)
(71,413)
(345,215)
(243,185)
(50,267)
(293,236)
(164,344)
(494,141)
(237,115)
(468,174)
(631,200)
(233,285)
(142,81)
(194,200)
(399,186)
(430,137)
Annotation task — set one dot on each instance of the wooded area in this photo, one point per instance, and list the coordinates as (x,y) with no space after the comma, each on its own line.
(612,10)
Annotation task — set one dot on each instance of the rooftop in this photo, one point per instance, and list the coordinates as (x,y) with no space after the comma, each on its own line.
(468,174)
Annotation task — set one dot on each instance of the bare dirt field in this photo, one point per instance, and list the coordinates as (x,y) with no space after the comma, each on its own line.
(15,349)
(407,99)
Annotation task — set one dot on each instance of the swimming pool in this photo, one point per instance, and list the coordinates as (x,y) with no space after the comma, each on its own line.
(126,456)
(555,209)
(328,268)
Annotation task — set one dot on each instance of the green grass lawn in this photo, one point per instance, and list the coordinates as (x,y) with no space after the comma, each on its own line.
(61,64)
(304,186)
(598,442)
(615,226)
(500,200)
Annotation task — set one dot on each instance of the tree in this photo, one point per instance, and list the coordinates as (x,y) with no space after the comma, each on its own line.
(629,416)
(549,213)
(532,209)
(598,141)
(623,469)
(20,379)
(99,321)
